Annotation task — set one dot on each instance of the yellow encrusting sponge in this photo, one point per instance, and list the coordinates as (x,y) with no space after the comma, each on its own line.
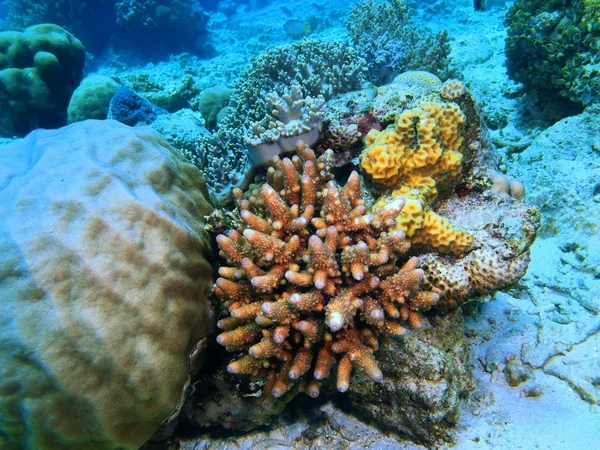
(418,157)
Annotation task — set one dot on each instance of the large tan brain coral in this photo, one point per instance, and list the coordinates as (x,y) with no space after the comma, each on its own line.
(103,281)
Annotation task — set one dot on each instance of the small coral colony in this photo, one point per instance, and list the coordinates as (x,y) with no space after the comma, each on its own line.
(315,270)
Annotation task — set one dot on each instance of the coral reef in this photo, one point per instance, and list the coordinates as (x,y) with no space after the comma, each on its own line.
(39,69)
(180,23)
(322,69)
(554,47)
(312,279)
(392,43)
(129,24)
(79,18)
(104,281)
(420,157)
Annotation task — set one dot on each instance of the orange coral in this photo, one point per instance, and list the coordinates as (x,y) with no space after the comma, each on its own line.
(313,279)
(419,156)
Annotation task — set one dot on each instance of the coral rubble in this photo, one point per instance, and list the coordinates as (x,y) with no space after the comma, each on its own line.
(312,279)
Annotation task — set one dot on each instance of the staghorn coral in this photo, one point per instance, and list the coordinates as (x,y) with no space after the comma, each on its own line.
(419,157)
(312,279)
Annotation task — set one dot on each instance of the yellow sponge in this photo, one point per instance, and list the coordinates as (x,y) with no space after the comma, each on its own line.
(419,156)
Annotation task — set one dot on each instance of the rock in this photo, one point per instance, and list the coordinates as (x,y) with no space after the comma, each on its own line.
(127,107)
(425,377)
(104,278)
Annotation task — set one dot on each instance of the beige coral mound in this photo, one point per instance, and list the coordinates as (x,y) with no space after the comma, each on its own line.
(102,256)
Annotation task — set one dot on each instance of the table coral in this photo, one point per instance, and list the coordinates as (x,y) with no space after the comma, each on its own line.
(419,156)
(312,279)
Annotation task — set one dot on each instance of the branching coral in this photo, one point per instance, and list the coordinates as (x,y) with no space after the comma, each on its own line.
(312,279)
(391,43)
(553,46)
(419,156)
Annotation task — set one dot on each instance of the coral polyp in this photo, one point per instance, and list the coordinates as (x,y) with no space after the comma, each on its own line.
(312,279)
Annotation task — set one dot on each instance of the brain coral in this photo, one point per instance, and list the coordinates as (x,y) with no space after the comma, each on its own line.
(312,279)
(103,285)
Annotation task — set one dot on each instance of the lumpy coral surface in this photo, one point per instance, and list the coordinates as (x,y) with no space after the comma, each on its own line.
(102,285)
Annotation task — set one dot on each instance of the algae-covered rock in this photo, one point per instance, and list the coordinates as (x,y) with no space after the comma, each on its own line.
(425,377)
(103,285)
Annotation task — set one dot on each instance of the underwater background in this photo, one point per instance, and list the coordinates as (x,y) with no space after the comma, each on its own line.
(422,271)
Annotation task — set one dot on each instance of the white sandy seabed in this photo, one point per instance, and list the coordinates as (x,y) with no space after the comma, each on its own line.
(544,335)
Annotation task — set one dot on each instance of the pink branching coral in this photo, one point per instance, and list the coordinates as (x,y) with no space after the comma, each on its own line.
(312,279)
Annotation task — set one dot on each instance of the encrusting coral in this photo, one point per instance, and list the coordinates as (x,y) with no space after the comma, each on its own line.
(313,278)
(418,157)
